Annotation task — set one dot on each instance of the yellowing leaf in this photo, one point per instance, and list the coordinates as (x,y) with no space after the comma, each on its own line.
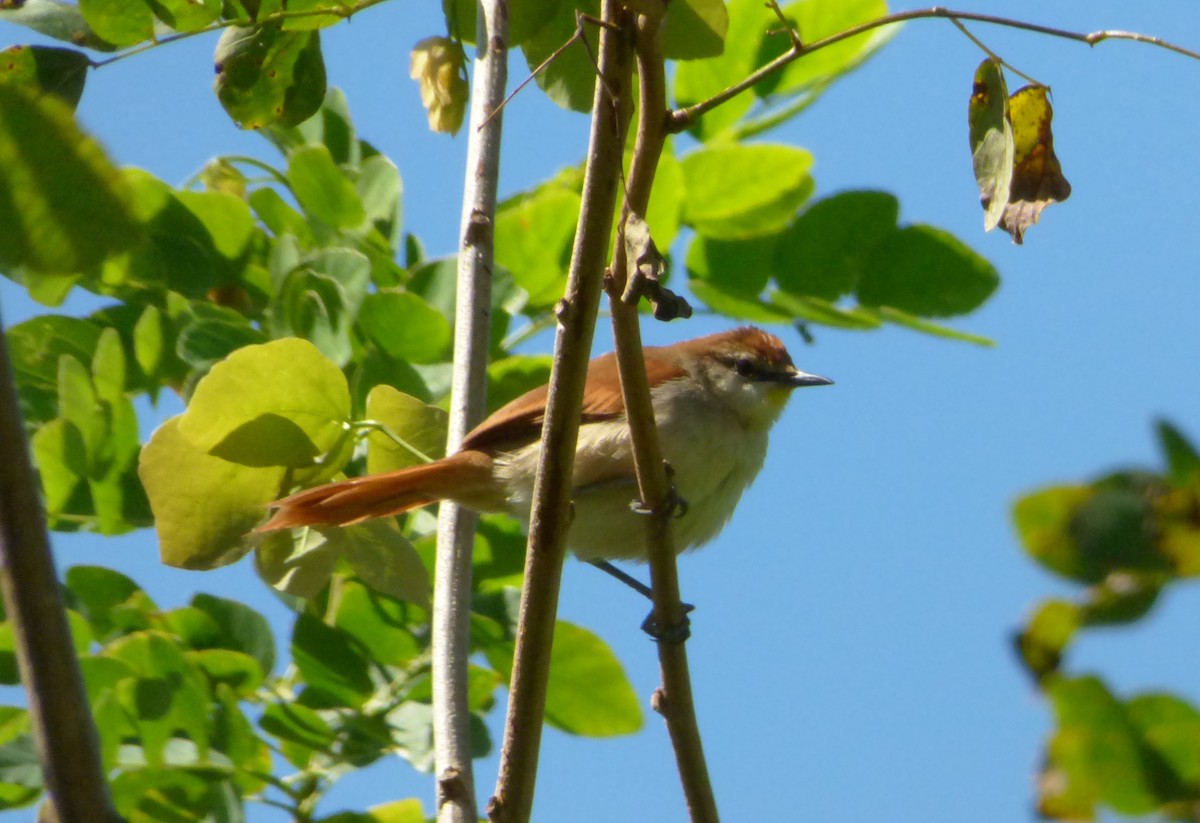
(275,404)
(991,140)
(438,66)
(1037,178)
(203,506)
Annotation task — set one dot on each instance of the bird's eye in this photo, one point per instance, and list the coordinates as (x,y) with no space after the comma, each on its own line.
(744,366)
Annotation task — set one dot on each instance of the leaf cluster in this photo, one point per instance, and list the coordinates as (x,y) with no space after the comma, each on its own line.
(1127,538)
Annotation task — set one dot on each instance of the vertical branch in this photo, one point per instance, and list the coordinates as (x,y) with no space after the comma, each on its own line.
(66,738)
(551,514)
(674,698)
(456,526)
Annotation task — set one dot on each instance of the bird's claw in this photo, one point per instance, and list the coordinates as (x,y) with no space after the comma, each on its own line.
(673,634)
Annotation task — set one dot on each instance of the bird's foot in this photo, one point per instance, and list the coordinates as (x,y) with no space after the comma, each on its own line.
(674,634)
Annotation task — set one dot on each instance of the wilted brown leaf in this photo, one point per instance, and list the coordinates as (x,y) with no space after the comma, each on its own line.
(1037,178)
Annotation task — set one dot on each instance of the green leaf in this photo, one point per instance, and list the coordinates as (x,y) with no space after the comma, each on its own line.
(65,207)
(511,377)
(698,80)
(297,724)
(120,22)
(377,622)
(320,299)
(1183,460)
(694,29)
(525,17)
(61,458)
(420,427)
(1169,727)
(816,20)
(299,564)
(280,403)
(398,811)
(56,19)
(100,593)
(1043,522)
(242,628)
(736,305)
(926,272)
(239,672)
(744,190)
(384,558)
(323,190)
(203,505)
(309,20)
(268,76)
(569,80)
(329,662)
(51,70)
(1042,642)
(926,327)
(991,140)
(162,697)
(406,327)
(149,335)
(204,342)
(588,693)
(186,15)
(20,769)
(533,240)
(816,310)
(1097,748)
(379,188)
(825,252)
(739,267)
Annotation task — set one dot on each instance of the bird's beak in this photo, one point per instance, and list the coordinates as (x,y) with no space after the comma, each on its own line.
(798,379)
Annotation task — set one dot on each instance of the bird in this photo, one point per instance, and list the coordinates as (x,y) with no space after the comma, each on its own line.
(715,399)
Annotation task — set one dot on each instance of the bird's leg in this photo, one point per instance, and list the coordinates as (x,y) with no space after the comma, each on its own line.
(673,506)
(672,634)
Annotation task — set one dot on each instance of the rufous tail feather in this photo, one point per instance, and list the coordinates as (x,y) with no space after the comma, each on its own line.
(465,477)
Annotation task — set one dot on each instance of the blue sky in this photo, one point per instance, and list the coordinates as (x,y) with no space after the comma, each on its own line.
(850,646)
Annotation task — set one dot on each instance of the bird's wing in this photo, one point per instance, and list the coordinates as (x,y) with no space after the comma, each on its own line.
(520,421)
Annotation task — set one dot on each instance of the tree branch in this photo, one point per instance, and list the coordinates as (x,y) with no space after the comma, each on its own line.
(451,640)
(550,518)
(674,698)
(63,730)
(684,118)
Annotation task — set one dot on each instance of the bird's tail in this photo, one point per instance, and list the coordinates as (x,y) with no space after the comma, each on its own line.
(465,477)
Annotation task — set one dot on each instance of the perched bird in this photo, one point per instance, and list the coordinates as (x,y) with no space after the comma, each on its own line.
(715,398)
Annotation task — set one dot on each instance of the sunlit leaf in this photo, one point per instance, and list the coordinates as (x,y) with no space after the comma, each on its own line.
(406,327)
(57,71)
(570,80)
(63,207)
(330,662)
(277,404)
(120,22)
(268,76)
(421,429)
(533,240)
(54,18)
(378,622)
(203,505)
(694,29)
(384,559)
(324,190)
(744,190)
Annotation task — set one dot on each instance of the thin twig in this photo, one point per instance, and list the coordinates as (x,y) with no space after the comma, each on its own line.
(336,11)
(983,47)
(550,517)
(684,118)
(578,35)
(674,697)
(456,525)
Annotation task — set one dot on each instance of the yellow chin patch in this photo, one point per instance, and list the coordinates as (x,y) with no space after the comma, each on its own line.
(778,396)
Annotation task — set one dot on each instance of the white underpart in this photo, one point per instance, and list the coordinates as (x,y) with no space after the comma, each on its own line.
(713,431)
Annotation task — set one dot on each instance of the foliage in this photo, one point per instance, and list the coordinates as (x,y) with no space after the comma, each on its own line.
(310,338)
(1126,537)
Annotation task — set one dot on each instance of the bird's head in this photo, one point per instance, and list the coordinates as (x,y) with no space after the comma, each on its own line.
(751,371)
